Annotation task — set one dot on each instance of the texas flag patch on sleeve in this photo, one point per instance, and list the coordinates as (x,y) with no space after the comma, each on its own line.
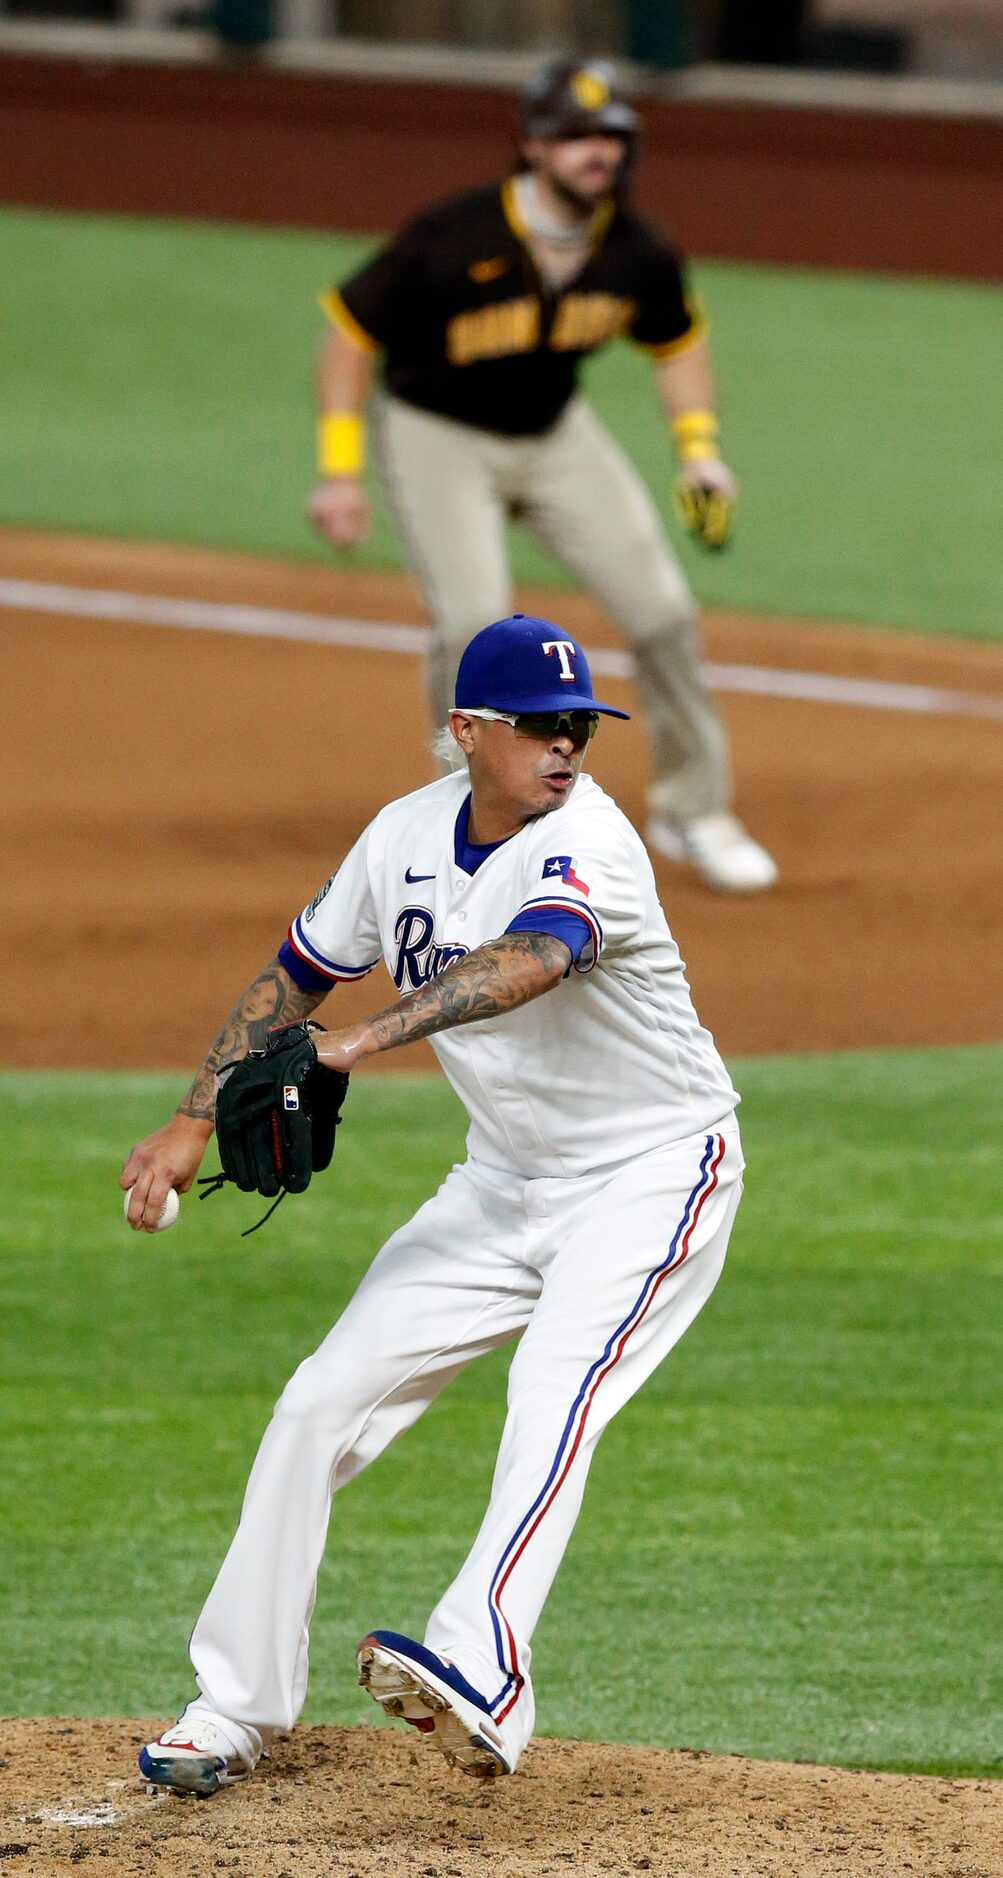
(562,867)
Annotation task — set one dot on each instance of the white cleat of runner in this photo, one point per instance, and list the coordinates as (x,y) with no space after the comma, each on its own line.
(721,850)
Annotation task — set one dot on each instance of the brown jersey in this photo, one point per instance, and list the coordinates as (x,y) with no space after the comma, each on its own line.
(471,330)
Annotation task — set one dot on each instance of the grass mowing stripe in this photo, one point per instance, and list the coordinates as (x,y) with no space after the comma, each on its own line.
(171,401)
(791,1539)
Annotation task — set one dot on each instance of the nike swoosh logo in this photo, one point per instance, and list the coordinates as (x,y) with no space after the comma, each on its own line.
(413,879)
(483,271)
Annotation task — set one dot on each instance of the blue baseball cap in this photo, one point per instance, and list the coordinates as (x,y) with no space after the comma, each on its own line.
(526,664)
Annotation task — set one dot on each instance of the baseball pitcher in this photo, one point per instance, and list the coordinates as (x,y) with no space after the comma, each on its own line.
(516,911)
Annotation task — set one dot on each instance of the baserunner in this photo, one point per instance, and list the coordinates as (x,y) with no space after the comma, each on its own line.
(478,315)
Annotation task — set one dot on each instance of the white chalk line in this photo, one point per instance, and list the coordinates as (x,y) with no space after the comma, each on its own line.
(103,1814)
(89,1813)
(385,636)
(83,1816)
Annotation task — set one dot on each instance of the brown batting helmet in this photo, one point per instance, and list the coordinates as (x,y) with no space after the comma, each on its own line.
(573,99)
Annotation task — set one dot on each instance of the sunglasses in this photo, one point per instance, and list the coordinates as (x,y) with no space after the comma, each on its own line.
(544,726)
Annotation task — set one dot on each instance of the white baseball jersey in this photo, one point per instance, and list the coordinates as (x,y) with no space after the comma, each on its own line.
(609,1064)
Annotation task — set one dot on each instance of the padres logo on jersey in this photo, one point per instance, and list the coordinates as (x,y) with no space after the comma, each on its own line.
(582,321)
(492,331)
(585,320)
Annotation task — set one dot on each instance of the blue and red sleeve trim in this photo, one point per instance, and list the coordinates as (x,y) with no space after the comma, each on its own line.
(306,976)
(576,926)
(311,968)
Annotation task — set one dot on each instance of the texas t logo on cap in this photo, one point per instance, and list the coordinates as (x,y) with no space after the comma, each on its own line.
(565,649)
(526,664)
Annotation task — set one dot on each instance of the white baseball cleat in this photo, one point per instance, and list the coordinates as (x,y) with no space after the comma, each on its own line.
(720,849)
(199,1756)
(414,1685)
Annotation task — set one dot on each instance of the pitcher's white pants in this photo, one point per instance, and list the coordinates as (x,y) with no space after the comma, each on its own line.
(602,1274)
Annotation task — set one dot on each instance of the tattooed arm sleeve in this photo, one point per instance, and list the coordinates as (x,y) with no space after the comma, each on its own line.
(272,999)
(497,977)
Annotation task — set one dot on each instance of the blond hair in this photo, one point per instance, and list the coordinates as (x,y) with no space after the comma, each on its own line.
(446,750)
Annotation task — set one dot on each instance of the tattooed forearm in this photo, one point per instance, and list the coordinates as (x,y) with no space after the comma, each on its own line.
(497,977)
(273,998)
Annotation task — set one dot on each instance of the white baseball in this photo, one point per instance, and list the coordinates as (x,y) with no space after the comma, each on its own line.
(168,1212)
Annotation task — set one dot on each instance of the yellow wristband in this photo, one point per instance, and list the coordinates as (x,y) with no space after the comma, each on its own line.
(696,434)
(341,443)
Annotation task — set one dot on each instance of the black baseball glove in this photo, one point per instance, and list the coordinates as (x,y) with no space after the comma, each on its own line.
(276,1113)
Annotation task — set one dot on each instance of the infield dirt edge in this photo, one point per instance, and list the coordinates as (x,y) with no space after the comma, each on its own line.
(370,1801)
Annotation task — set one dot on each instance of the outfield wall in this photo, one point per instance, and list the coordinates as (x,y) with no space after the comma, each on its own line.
(734,180)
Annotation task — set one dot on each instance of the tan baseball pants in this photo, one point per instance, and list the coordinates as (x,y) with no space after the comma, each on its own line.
(452,487)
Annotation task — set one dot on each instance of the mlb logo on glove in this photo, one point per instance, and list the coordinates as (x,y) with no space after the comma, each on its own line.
(291,1096)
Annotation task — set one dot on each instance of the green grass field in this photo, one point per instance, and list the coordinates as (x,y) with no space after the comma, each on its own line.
(157,385)
(795,1529)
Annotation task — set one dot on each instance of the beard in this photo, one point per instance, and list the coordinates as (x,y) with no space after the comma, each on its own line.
(583,200)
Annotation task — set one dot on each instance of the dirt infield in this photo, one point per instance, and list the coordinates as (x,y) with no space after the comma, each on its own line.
(361,1801)
(173,797)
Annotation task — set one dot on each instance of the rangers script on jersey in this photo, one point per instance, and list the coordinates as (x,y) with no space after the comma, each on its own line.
(611,1064)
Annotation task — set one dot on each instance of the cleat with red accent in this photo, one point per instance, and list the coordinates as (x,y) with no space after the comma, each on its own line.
(198,1756)
(413,1684)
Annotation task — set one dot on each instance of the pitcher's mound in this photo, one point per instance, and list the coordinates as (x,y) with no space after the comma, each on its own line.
(362,1801)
